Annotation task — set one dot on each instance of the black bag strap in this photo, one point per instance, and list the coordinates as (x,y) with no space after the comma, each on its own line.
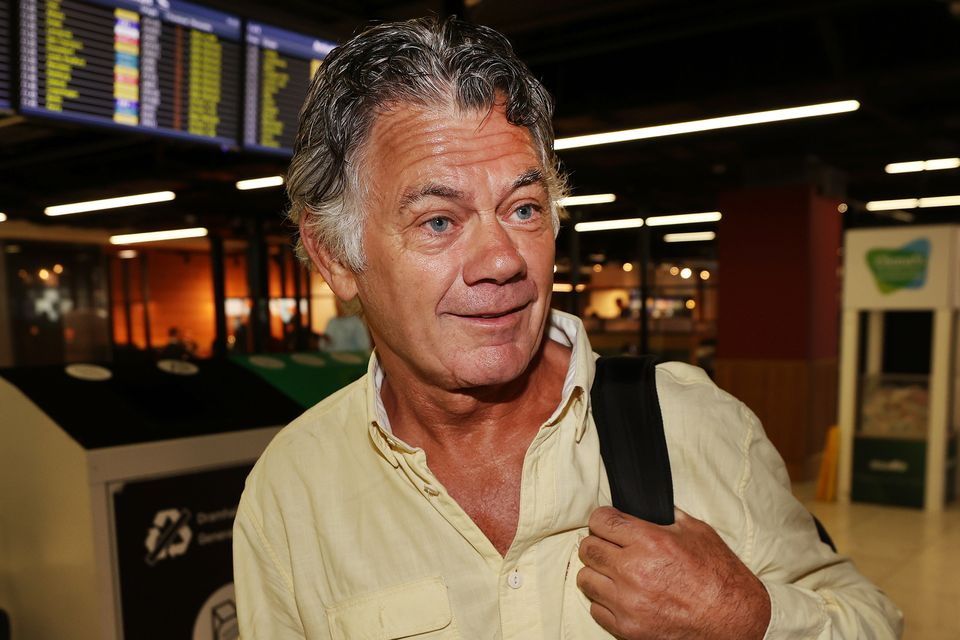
(626,410)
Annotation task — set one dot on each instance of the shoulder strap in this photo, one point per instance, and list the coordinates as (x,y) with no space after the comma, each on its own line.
(626,410)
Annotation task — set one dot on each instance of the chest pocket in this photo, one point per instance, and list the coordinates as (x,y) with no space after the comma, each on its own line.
(419,609)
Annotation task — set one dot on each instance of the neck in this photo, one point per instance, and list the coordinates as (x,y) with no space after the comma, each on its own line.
(488,417)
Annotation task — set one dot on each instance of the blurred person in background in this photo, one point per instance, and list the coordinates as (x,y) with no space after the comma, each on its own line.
(345,332)
(458,490)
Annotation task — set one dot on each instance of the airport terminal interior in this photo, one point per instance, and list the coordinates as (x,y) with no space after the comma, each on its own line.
(767,190)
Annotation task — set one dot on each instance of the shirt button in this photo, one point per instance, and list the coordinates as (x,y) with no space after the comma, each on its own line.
(515,580)
(431,490)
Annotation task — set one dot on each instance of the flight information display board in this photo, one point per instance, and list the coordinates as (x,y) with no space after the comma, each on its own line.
(280,65)
(5,47)
(165,66)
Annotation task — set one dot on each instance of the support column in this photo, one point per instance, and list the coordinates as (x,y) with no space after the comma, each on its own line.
(779,306)
(219,295)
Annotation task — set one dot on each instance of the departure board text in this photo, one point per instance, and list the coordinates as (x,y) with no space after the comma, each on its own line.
(161,65)
(280,65)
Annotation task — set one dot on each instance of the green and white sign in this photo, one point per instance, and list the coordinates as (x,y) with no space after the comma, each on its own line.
(903,268)
(909,267)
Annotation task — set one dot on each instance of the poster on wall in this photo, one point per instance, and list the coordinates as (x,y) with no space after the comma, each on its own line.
(174,554)
(901,268)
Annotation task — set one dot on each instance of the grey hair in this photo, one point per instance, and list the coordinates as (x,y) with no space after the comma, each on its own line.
(425,62)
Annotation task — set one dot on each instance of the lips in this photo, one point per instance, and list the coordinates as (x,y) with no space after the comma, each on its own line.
(490,315)
(487,301)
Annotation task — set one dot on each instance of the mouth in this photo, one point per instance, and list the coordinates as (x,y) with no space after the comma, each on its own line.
(492,315)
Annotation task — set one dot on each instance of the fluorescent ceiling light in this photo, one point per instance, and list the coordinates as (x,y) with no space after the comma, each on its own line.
(914,203)
(156,236)
(693,126)
(110,203)
(940,201)
(3,216)
(562,287)
(684,218)
(696,236)
(597,198)
(936,164)
(889,205)
(260,183)
(608,225)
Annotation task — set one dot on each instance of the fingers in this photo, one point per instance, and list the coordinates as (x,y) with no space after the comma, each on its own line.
(596,586)
(599,554)
(617,527)
(604,617)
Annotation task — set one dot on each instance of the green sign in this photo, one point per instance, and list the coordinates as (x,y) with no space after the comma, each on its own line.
(903,268)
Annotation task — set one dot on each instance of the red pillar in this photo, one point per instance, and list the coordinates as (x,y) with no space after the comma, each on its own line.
(779,304)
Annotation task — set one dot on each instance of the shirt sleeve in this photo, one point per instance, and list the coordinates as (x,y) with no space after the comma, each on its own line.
(266,607)
(814,592)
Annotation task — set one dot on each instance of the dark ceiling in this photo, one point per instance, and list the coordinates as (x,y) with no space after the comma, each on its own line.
(611,65)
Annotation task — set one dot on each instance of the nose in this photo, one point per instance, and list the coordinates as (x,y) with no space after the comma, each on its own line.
(493,255)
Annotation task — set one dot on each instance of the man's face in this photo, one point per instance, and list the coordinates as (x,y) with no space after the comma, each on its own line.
(459,246)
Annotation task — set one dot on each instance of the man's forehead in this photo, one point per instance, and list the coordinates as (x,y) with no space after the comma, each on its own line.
(405,124)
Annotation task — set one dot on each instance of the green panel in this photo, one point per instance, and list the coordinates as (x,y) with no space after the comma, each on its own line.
(889,471)
(893,471)
(307,378)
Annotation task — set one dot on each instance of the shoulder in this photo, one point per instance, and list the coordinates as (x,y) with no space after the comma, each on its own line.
(312,447)
(711,437)
(694,406)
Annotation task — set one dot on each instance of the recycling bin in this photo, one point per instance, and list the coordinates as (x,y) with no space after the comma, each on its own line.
(119,485)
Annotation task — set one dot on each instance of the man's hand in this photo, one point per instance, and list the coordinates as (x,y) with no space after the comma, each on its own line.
(678,581)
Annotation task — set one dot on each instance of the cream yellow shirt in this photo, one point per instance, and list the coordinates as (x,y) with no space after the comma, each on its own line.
(344,533)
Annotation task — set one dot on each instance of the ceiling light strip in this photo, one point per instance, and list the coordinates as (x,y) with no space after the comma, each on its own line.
(260,183)
(914,203)
(609,225)
(890,205)
(596,198)
(696,236)
(694,126)
(110,203)
(937,164)
(684,218)
(157,236)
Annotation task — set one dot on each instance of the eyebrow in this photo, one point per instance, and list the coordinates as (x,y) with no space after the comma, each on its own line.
(529,177)
(415,194)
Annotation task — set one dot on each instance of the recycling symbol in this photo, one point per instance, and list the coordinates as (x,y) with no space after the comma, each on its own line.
(169,536)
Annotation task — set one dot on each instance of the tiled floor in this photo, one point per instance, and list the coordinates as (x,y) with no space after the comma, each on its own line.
(912,555)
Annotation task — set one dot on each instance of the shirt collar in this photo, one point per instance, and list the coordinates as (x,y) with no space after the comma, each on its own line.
(563,328)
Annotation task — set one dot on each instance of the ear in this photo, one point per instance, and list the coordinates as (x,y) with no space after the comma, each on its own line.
(339,276)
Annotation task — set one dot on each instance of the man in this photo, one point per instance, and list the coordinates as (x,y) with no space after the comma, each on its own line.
(345,331)
(457,491)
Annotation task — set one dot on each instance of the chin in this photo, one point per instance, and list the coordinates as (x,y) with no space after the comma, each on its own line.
(492,366)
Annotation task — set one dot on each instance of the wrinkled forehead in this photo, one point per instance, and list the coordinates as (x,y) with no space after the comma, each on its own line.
(411,144)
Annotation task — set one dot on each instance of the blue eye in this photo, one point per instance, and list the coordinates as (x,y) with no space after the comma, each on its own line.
(439,225)
(525,212)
